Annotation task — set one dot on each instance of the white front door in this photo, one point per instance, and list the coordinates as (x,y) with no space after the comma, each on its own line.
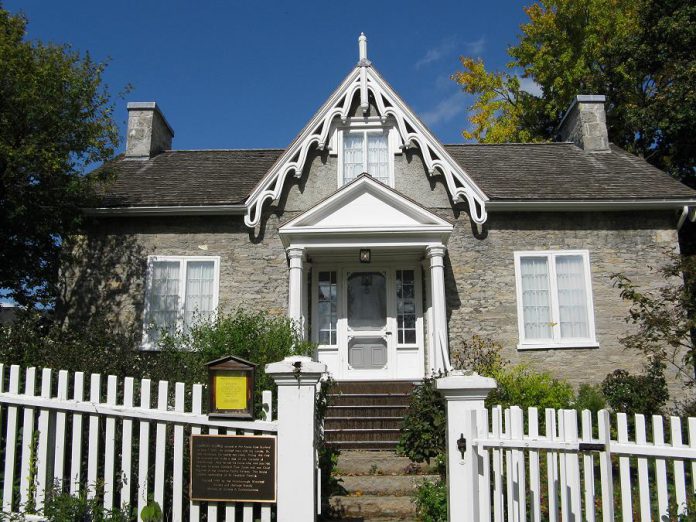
(367,321)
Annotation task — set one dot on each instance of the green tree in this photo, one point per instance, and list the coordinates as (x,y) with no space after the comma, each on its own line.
(664,317)
(55,120)
(639,53)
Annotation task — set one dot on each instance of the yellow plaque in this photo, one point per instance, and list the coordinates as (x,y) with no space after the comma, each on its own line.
(230,391)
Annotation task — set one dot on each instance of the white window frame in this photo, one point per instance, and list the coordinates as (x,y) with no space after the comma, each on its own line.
(147,344)
(366,128)
(556,341)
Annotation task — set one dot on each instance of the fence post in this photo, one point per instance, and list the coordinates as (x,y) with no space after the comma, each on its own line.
(464,393)
(296,378)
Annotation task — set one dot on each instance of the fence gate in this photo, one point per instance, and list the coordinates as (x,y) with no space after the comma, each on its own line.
(563,465)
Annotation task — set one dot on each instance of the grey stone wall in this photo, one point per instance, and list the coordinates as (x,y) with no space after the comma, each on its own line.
(586,124)
(479,270)
(481,292)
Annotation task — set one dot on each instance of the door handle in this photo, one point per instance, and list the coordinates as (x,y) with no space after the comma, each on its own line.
(387,333)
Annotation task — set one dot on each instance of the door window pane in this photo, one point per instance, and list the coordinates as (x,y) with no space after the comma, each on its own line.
(367,300)
(326,306)
(405,307)
(535,298)
(572,301)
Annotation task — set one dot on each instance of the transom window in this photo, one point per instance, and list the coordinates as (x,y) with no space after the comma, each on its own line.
(180,292)
(365,151)
(554,299)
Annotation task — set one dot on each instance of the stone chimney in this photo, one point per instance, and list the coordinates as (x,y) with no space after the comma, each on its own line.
(585,123)
(148,131)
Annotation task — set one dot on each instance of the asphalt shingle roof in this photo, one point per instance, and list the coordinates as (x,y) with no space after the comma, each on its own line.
(550,171)
(545,171)
(188,178)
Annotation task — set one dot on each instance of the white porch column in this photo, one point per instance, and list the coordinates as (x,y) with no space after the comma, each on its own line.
(296,287)
(297,379)
(436,254)
(465,396)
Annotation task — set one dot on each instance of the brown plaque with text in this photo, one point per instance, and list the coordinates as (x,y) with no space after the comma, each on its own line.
(233,468)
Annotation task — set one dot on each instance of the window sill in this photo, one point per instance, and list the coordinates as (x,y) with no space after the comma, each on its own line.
(558,346)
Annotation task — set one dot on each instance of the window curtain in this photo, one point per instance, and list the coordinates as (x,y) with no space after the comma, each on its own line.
(200,279)
(572,298)
(352,156)
(535,298)
(377,158)
(163,299)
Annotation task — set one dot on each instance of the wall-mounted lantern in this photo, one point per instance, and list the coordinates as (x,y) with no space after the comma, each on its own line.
(231,388)
(365,255)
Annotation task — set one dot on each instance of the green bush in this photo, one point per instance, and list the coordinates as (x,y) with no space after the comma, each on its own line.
(520,386)
(431,501)
(590,398)
(101,347)
(424,426)
(646,393)
(63,507)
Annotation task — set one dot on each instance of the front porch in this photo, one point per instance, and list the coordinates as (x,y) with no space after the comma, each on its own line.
(366,283)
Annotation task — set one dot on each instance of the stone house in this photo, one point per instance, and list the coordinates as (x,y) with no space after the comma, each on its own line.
(387,247)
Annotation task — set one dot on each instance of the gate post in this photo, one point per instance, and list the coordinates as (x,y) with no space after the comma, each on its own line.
(296,378)
(464,393)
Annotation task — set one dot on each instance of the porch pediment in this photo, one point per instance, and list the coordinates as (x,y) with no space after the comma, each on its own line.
(367,209)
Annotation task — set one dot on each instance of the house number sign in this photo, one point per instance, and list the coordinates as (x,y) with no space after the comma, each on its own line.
(233,468)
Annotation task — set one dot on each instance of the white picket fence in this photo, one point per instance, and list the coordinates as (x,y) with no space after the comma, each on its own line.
(577,466)
(69,437)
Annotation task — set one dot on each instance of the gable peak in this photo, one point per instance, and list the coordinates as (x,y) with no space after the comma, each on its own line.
(362,51)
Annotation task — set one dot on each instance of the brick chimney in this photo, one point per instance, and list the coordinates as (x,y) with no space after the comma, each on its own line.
(585,123)
(148,131)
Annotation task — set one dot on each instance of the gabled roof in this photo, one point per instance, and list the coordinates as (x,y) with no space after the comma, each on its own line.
(507,172)
(187,178)
(364,80)
(367,208)
(563,171)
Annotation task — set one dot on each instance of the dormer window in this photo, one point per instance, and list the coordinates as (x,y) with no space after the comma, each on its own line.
(365,151)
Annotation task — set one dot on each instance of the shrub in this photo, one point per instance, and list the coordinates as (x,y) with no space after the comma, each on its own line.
(424,425)
(431,501)
(482,355)
(63,507)
(591,398)
(521,386)
(646,393)
(102,347)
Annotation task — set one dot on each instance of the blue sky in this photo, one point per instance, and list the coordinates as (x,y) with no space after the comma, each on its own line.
(250,74)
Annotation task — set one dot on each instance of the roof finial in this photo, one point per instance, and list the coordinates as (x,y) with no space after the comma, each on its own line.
(362,45)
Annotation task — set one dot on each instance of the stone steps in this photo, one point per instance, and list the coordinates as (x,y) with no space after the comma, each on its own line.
(378,486)
(366,415)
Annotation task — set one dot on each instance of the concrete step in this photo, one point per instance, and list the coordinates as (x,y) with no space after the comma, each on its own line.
(369,399)
(373,508)
(376,445)
(374,387)
(356,462)
(366,410)
(362,434)
(383,485)
(338,423)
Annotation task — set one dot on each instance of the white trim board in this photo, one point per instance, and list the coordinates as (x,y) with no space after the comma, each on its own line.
(607,205)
